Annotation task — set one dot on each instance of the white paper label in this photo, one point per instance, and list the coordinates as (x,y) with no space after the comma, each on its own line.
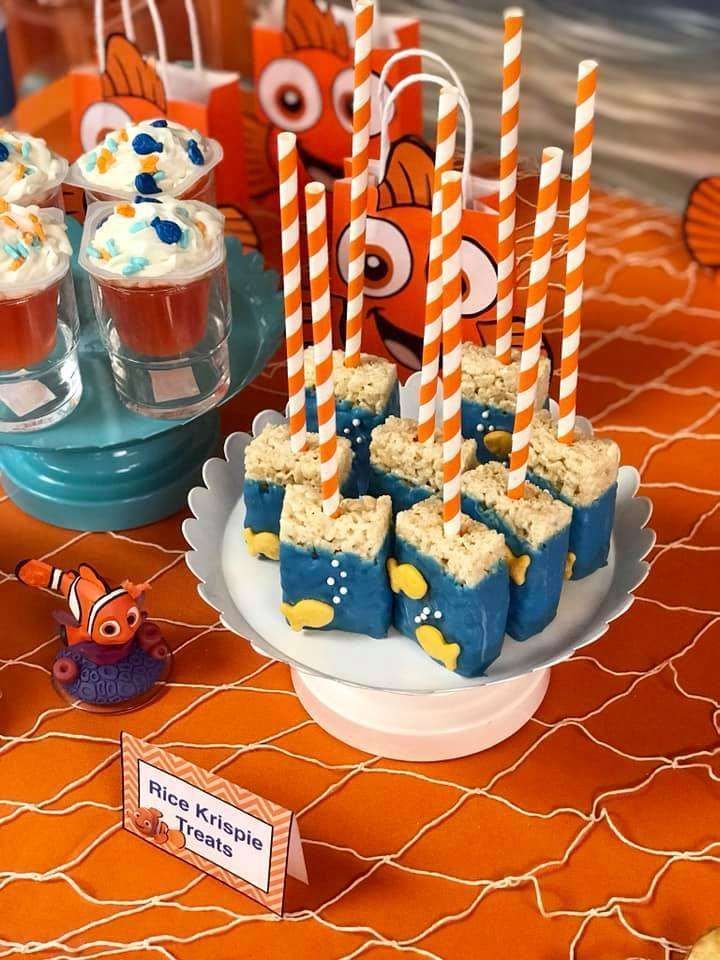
(25,397)
(173,384)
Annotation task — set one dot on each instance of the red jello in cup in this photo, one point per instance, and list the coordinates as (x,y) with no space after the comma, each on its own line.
(28,326)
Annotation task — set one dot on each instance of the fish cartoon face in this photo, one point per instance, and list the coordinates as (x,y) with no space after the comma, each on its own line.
(309,90)
(396,266)
(115,622)
(132,91)
(147,820)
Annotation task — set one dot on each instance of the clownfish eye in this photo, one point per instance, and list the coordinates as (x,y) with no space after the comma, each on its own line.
(289,95)
(342,96)
(111,628)
(388,258)
(479,278)
(133,616)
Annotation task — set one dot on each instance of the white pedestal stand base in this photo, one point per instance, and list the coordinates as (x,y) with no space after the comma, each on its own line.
(419,727)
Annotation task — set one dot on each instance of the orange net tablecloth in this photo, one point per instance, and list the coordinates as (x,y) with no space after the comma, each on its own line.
(592,833)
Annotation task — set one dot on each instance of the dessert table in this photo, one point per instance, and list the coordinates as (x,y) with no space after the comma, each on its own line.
(591,833)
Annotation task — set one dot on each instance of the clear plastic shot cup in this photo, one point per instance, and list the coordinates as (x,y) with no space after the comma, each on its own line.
(31,174)
(112,169)
(39,375)
(166,334)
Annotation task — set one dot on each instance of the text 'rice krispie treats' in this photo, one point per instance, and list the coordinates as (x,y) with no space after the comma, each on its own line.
(537,532)
(451,593)
(270,466)
(583,474)
(333,570)
(405,469)
(364,396)
(489,393)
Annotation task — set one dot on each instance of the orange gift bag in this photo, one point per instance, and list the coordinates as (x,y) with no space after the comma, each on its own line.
(303,73)
(126,87)
(398,243)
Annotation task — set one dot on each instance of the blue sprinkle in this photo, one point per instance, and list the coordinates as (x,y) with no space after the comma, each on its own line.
(185,239)
(27,171)
(93,252)
(22,249)
(138,226)
(143,144)
(10,250)
(25,150)
(140,199)
(145,183)
(4,152)
(135,266)
(111,144)
(160,175)
(36,241)
(91,161)
(140,261)
(158,123)
(112,247)
(195,153)
(182,212)
(166,230)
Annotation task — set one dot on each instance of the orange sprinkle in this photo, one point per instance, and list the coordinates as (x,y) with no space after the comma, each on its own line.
(104,254)
(9,221)
(105,160)
(201,227)
(38,227)
(20,171)
(17,263)
(122,134)
(149,164)
(125,210)
(4,206)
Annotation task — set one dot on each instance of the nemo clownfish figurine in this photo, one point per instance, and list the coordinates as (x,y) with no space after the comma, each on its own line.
(102,622)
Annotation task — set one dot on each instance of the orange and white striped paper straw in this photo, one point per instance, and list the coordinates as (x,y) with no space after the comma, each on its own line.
(452,339)
(364,12)
(577,234)
(510,115)
(316,214)
(432,336)
(292,287)
(545,214)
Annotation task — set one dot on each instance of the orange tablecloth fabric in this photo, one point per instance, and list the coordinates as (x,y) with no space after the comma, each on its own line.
(592,833)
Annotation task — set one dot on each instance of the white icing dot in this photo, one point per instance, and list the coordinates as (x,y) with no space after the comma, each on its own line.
(356,422)
(343,590)
(485,414)
(359,440)
(330,581)
(336,599)
(490,428)
(346,431)
(418,620)
(437,615)
(426,611)
(480,427)
(343,573)
(334,563)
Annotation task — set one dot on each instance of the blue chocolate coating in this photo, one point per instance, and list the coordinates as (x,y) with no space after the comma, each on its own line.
(112,682)
(590,530)
(358,433)
(158,123)
(144,144)
(195,153)
(264,503)
(367,605)
(475,425)
(403,494)
(145,183)
(167,230)
(472,617)
(533,604)
(4,152)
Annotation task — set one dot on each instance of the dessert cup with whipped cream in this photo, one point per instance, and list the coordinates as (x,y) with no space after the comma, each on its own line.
(146,159)
(160,292)
(39,377)
(30,172)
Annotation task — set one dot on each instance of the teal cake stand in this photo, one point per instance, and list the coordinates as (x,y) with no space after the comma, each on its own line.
(105,468)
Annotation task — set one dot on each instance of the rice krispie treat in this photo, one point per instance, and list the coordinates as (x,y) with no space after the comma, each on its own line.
(582,474)
(451,593)
(489,392)
(364,397)
(270,466)
(403,468)
(333,570)
(537,533)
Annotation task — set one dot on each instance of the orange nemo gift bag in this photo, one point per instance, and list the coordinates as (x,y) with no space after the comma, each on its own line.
(303,74)
(126,87)
(398,243)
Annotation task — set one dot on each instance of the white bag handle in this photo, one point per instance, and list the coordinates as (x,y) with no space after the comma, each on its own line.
(423,54)
(385,127)
(158,29)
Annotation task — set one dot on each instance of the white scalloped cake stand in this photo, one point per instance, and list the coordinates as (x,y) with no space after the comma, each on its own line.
(386,696)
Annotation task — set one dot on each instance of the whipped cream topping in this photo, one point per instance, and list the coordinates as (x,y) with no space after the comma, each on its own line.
(28,167)
(156,238)
(148,158)
(34,247)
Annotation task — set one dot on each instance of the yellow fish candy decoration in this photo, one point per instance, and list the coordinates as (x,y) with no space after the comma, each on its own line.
(406,578)
(436,646)
(517,566)
(263,543)
(498,442)
(569,565)
(307,613)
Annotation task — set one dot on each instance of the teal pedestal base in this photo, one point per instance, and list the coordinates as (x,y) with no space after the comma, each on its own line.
(115,488)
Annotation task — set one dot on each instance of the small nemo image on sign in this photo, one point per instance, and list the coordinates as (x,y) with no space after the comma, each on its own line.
(214,825)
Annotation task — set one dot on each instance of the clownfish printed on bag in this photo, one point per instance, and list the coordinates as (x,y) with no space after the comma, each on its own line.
(305,85)
(397,245)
